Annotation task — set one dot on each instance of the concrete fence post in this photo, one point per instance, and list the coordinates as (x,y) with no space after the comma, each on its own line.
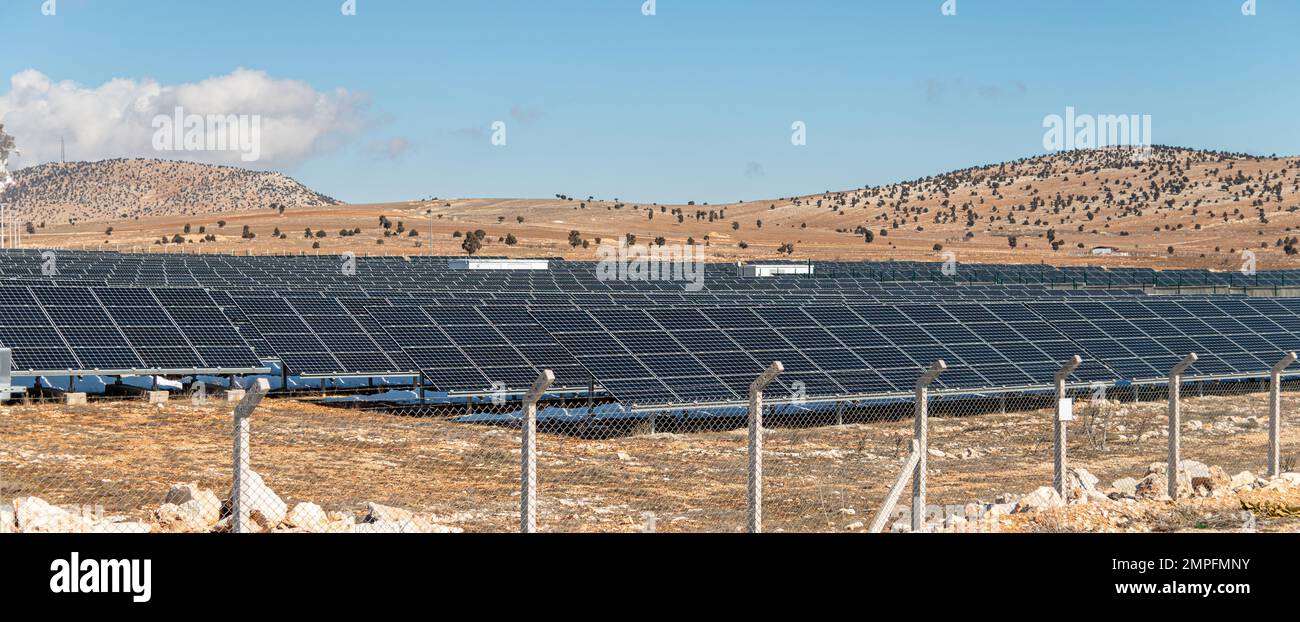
(1175,422)
(239,486)
(754,505)
(882,515)
(1275,415)
(1064,413)
(528,453)
(921,434)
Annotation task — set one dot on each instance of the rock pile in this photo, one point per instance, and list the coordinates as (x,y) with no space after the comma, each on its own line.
(187,508)
(1195,480)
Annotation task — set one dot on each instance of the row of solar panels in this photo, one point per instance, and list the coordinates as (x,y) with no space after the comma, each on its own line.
(662,355)
(120,331)
(324,271)
(642,356)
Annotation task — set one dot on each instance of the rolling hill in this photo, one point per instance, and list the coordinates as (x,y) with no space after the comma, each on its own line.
(139,188)
(1173,207)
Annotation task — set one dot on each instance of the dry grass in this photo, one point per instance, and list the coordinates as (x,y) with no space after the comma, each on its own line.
(124,455)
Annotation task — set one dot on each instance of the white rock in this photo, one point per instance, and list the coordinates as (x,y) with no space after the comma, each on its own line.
(8,520)
(623,455)
(185,518)
(377,513)
(936,453)
(1156,483)
(1044,498)
(308,517)
(1095,496)
(1125,486)
(854,525)
(336,517)
(203,505)
(848,511)
(1243,479)
(1081,479)
(1194,469)
(264,506)
(34,515)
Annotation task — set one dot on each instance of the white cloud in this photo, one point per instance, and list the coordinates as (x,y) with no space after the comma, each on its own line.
(115,119)
(389,149)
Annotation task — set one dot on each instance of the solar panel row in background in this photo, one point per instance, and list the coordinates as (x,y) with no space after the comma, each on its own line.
(317,336)
(477,349)
(87,330)
(667,356)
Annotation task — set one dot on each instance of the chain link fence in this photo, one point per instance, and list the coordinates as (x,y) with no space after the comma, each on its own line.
(345,463)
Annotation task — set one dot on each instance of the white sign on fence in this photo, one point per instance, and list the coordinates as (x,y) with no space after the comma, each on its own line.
(1065,409)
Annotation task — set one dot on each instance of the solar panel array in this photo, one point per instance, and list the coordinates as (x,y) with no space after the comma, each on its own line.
(688,355)
(460,349)
(119,330)
(398,274)
(856,329)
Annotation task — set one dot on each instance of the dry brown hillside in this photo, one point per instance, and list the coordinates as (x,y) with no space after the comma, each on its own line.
(1174,208)
(119,190)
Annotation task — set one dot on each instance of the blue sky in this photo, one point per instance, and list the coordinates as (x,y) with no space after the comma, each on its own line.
(695,102)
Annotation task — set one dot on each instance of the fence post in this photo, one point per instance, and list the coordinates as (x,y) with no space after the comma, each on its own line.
(1059,425)
(1275,415)
(754,515)
(878,524)
(1175,421)
(921,434)
(528,454)
(238,489)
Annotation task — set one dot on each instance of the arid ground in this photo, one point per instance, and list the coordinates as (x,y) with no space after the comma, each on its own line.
(123,455)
